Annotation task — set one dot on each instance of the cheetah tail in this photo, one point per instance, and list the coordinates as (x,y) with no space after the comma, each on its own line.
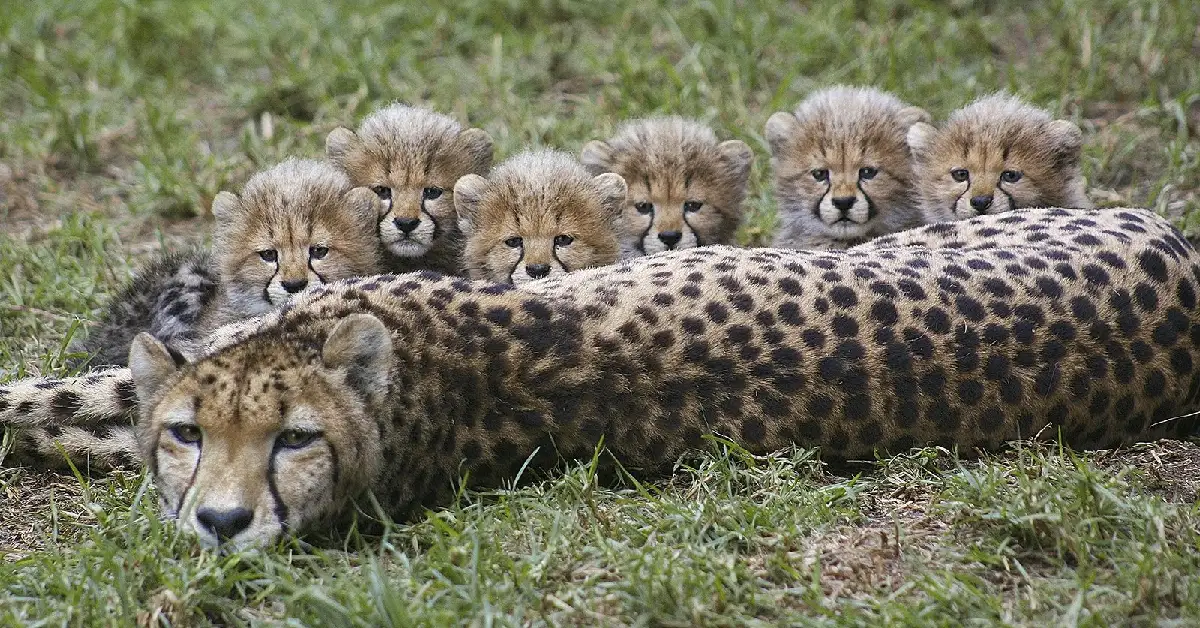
(96,399)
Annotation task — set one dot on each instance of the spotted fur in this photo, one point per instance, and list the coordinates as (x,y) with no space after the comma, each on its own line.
(995,155)
(539,214)
(685,187)
(843,169)
(401,384)
(412,157)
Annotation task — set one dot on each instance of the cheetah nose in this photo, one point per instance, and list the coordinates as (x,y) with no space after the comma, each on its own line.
(670,238)
(407,225)
(225,524)
(294,286)
(537,271)
(843,203)
(982,202)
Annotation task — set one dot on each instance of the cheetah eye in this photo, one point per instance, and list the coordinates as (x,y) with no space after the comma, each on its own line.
(867,173)
(821,174)
(563,240)
(295,439)
(643,207)
(514,242)
(431,193)
(383,191)
(318,252)
(268,255)
(1011,176)
(186,433)
(692,206)
(960,174)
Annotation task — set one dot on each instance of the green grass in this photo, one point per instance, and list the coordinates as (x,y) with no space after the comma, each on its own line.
(120,119)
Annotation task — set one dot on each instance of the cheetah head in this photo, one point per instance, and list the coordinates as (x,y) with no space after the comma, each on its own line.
(265,437)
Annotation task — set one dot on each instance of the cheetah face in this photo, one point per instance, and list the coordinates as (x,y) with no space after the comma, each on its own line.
(413,218)
(281,237)
(662,226)
(241,460)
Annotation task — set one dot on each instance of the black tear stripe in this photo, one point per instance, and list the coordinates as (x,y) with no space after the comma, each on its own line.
(266,288)
(954,205)
(554,255)
(281,509)
(437,227)
(641,243)
(192,480)
(1012,202)
(695,233)
(513,270)
(314,271)
(816,210)
(872,212)
(333,455)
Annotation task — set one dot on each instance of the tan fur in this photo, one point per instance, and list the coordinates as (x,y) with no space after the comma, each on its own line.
(961,334)
(843,145)
(685,187)
(983,141)
(538,214)
(412,157)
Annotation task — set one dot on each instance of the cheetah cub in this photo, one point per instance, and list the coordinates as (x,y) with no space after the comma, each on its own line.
(537,215)
(685,187)
(411,158)
(297,224)
(843,171)
(994,155)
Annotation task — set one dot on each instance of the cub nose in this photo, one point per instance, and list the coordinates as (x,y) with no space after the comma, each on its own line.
(843,203)
(407,225)
(225,524)
(294,286)
(981,202)
(537,271)
(670,238)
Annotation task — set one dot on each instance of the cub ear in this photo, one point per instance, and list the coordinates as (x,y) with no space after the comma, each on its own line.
(1068,139)
(339,143)
(612,192)
(781,128)
(911,115)
(738,157)
(151,363)
(920,138)
(479,144)
(596,156)
(364,205)
(225,206)
(468,196)
(361,346)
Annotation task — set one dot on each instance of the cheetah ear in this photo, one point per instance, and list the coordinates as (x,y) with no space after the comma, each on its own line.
(596,156)
(920,138)
(225,206)
(738,157)
(479,144)
(151,363)
(339,143)
(468,195)
(361,346)
(1068,140)
(781,128)
(612,193)
(364,205)
(911,115)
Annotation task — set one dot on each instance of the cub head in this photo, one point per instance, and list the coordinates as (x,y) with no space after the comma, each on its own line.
(297,224)
(842,165)
(685,187)
(995,155)
(268,436)
(411,158)
(538,214)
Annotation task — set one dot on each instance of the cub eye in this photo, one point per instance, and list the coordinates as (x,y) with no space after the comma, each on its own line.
(692,206)
(514,242)
(821,174)
(318,252)
(295,439)
(383,191)
(1010,176)
(563,240)
(268,255)
(960,174)
(186,433)
(432,193)
(867,173)
(643,207)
